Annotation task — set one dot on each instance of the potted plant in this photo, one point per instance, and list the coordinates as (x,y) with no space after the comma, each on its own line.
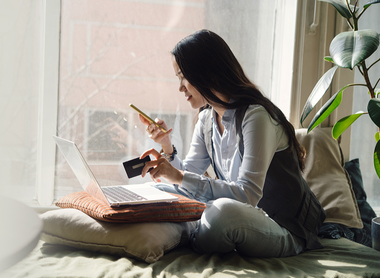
(349,50)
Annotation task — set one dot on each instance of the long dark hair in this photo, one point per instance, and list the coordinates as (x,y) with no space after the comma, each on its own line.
(209,65)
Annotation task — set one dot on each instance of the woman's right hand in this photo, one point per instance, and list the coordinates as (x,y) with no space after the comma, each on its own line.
(156,134)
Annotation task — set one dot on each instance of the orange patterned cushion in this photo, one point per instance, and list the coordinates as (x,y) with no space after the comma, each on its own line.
(184,209)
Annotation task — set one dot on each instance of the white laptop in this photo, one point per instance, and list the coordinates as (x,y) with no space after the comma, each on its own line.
(113,196)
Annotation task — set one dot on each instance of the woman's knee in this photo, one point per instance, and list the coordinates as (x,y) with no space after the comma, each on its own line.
(225,210)
(219,218)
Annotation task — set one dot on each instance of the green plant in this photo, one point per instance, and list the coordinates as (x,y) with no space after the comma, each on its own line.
(348,50)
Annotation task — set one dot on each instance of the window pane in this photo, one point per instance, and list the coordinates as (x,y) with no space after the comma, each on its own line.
(363,130)
(118,52)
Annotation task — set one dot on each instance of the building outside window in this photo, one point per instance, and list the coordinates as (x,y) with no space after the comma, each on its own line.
(113,53)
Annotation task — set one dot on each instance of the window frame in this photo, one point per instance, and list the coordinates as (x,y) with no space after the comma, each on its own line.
(317,24)
(48,102)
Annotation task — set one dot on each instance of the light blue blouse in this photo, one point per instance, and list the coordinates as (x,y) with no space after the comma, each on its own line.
(243,180)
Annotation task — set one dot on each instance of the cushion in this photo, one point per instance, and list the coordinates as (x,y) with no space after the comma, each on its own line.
(366,211)
(184,209)
(144,241)
(327,178)
(362,236)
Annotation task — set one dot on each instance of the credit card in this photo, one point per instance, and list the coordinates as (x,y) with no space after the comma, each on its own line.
(134,166)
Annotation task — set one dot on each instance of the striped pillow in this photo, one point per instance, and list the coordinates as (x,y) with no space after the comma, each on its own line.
(183,210)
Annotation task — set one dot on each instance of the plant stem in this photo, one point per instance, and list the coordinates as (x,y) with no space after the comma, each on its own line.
(354,24)
(357,84)
(348,6)
(377,82)
(347,19)
(364,9)
(367,81)
(359,68)
(349,23)
(356,4)
(374,63)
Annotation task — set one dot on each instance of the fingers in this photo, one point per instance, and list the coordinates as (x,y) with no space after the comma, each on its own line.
(152,130)
(154,165)
(155,174)
(150,164)
(143,120)
(159,170)
(153,152)
(156,133)
(161,123)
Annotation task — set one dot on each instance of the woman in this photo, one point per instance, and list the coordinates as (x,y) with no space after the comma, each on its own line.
(260,205)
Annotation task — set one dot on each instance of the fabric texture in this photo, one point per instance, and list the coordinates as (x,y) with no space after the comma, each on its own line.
(327,178)
(144,241)
(229,225)
(362,236)
(184,209)
(264,169)
(241,180)
(287,198)
(339,259)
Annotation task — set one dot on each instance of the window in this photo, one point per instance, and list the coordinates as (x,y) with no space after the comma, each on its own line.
(363,130)
(117,52)
(112,53)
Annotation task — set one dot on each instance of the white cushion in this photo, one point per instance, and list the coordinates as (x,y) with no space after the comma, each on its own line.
(327,178)
(145,241)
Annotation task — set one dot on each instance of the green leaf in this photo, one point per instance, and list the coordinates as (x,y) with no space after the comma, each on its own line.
(376,161)
(341,7)
(326,109)
(349,49)
(377,136)
(341,125)
(374,110)
(376,90)
(370,3)
(329,59)
(318,92)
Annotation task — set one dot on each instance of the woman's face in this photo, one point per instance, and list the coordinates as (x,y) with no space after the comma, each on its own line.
(192,95)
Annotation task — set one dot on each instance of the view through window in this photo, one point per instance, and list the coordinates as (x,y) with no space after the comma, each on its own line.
(118,52)
(108,54)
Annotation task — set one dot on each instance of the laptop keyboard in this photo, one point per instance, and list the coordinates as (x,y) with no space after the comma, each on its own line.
(121,194)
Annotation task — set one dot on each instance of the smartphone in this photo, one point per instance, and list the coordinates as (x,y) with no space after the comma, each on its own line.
(147,117)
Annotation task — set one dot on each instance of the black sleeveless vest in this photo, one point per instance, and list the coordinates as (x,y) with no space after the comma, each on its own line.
(287,198)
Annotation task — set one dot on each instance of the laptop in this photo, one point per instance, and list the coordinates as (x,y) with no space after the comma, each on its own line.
(113,196)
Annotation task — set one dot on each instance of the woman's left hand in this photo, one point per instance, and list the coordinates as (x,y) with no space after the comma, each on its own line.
(161,168)
(155,133)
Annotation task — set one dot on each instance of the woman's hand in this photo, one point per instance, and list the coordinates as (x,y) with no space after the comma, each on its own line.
(161,168)
(156,134)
